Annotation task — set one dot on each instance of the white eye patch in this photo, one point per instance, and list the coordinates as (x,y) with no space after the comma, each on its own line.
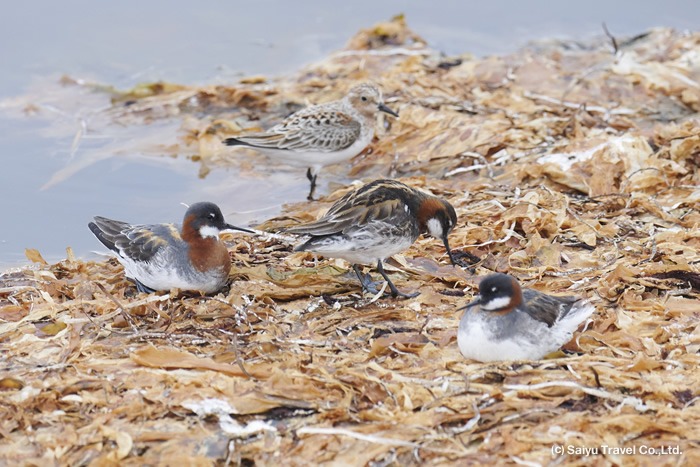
(208,231)
(435,228)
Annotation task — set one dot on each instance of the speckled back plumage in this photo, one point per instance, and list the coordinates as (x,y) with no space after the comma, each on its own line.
(381,201)
(330,127)
(313,129)
(321,135)
(374,222)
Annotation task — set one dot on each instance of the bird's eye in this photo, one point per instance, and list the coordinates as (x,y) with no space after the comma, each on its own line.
(212,215)
(364,98)
(493,289)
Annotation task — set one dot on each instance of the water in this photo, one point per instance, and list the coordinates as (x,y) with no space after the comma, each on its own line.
(124,43)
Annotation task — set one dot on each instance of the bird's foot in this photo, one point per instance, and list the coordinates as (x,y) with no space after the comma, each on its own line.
(142,288)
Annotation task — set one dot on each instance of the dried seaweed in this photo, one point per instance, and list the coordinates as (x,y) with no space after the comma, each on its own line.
(574,170)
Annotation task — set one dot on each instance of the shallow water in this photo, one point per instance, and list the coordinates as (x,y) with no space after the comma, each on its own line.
(124,43)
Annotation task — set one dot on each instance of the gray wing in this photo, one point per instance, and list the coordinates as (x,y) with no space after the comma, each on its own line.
(546,308)
(311,129)
(137,242)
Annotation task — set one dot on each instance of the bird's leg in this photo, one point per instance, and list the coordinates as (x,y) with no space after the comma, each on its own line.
(394,291)
(312,178)
(142,288)
(366,280)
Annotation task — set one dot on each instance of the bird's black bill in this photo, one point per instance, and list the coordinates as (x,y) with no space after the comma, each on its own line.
(233,227)
(475,302)
(232,142)
(386,109)
(449,252)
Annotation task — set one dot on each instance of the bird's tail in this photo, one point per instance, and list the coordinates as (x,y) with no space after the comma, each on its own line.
(107,231)
(578,313)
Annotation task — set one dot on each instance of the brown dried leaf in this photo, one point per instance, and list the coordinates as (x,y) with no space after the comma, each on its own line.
(574,170)
(11,383)
(170,358)
(34,256)
(51,329)
(405,342)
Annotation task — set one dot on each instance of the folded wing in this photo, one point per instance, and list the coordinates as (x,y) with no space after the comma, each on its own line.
(545,308)
(307,130)
(375,203)
(137,242)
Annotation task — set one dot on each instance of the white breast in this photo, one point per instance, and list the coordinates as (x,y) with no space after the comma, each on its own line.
(479,338)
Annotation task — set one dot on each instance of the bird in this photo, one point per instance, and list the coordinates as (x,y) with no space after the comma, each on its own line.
(506,322)
(374,222)
(323,134)
(164,256)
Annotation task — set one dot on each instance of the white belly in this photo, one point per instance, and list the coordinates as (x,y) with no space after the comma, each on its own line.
(317,159)
(476,341)
(166,277)
(362,250)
